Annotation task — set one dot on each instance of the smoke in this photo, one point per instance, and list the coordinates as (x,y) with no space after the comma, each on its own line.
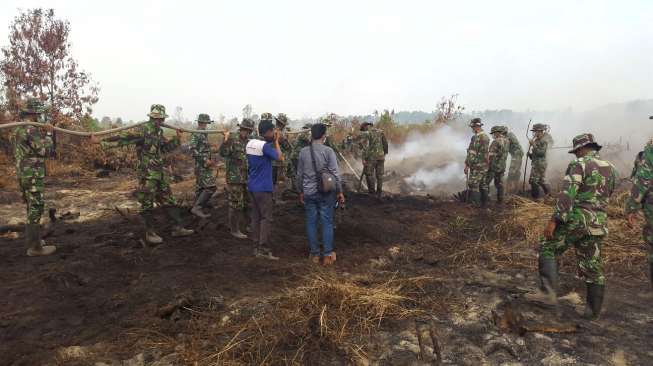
(450,173)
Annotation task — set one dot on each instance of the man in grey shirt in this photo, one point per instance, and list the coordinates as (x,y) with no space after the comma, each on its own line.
(318,204)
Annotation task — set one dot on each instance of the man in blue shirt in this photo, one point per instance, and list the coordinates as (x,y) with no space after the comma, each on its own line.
(260,154)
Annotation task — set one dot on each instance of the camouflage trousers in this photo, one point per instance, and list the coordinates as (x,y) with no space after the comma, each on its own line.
(238,196)
(155,189)
(648,230)
(279,174)
(204,177)
(514,172)
(477,179)
(497,177)
(374,171)
(538,172)
(588,252)
(32,189)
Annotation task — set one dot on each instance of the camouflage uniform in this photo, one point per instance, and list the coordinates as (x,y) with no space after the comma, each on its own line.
(498,155)
(477,163)
(281,169)
(374,148)
(516,155)
(31,147)
(538,156)
(154,179)
(641,197)
(233,151)
(302,140)
(201,151)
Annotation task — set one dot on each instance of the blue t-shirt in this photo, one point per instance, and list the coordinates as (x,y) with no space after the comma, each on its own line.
(259,165)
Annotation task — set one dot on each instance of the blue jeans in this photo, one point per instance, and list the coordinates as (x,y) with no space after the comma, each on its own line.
(322,206)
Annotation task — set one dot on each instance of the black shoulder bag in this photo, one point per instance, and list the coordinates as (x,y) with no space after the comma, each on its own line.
(326,182)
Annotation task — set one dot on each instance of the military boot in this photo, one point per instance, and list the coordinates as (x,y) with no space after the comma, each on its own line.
(234,224)
(150,235)
(594,301)
(546,189)
(500,194)
(201,201)
(36,246)
(178,230)
(379,188)
(474,197)
(548,269)
(484,198)
(535,191)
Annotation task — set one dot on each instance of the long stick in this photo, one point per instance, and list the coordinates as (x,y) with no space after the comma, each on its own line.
(359,177)
(104,132)
(523,187)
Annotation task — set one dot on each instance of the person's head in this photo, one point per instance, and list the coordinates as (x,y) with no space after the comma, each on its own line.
(282,120)
(538,129)
(584,144)
(245,128)
(366,126)
(476,125)
(32,109)
(496,132)
(157,114)
(266,129)
(318,131)
(203,120)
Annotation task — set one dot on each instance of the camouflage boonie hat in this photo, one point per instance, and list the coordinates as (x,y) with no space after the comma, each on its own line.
(504,129)
(157,111)
(33,106)
(282,119)
(204,118)
(586,139)
(247,124)
(496,129)
(539,127)
(266,116)
(475,122)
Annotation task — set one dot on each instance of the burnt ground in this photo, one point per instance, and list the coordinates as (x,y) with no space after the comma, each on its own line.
(104,291)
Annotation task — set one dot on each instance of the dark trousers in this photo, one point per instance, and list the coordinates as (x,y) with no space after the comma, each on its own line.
(261,216)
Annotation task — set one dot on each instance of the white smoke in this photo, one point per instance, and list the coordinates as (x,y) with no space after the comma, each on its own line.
(452,172)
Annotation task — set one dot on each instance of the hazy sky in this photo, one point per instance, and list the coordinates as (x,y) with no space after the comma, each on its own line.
(307,58)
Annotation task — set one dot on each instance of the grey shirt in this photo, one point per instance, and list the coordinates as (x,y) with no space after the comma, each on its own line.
(306,175)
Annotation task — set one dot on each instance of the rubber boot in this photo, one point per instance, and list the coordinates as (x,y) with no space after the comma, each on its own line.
(379,188)
(178,230)
(548,269)
(535,191)
(546,189)
(500,194)
(370,185)
(234,224)
(35,246)
(474,197)
(484,198)
(594,301)
(200,202)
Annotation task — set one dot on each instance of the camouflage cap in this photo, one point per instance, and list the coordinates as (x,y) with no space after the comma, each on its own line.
(282,119)
(204,118)
(539,127)
(33,106)
(266,116)
(157,111)
(585,139)
(247,124)
(475,122)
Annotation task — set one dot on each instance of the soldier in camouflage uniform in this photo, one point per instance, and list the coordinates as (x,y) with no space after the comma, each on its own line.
(31,147)
(233,152)
(540,145)
(641,198)
(374,148)
(580,220)
(154,179)
(204,178)
(516,156)
(476,164)
(498,155)
(302,140)
(280,168)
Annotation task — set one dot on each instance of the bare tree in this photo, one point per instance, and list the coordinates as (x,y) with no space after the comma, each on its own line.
(247,111)
(447,109)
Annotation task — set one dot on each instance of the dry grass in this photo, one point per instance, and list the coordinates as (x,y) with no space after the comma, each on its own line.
(329,316)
